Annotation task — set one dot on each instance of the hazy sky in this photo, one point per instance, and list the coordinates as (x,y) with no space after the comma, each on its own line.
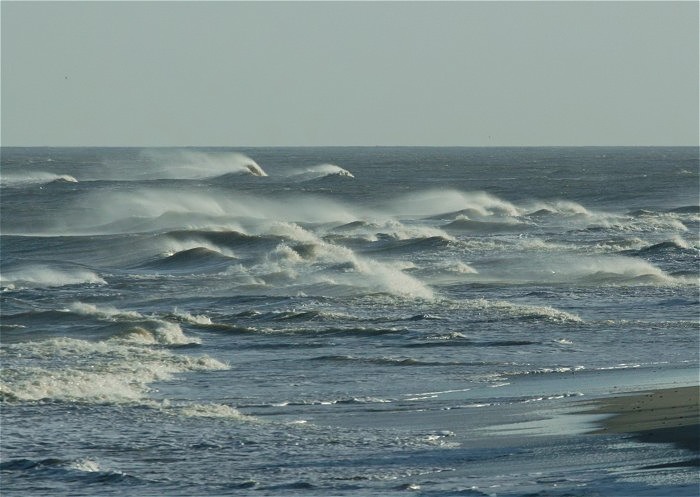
(351,73)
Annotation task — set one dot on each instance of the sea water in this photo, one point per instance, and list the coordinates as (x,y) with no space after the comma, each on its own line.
(340,321)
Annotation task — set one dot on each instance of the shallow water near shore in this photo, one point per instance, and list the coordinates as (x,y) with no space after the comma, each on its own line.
(342,321)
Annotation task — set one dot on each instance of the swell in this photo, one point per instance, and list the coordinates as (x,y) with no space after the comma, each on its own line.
(195,259)
(391,361)
(85,471)
(465,342)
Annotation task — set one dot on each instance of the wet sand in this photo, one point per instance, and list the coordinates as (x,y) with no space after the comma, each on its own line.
(660,416)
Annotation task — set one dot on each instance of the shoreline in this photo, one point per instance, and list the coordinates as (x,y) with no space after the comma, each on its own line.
(669,415)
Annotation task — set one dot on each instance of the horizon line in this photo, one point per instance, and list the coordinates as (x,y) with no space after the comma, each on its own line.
(355,146)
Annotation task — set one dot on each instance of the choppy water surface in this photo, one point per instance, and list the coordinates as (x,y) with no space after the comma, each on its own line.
(339,321)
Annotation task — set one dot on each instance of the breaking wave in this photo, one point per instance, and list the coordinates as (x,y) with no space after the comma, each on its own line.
(34,178)
(187,164)
(498,310)
(46,276)
(72,370)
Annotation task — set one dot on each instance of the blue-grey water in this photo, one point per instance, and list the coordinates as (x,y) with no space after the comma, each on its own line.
(341,321)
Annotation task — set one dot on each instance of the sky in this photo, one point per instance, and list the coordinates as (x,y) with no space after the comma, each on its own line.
(349,73)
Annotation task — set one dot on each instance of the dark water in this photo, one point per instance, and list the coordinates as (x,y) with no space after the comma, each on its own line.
(359,321)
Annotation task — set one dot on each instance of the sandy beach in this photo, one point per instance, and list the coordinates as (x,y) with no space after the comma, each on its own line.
(661,416)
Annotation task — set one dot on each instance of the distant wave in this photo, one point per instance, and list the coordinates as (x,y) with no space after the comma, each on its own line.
(501,310)
(320,171)
(190,164)
(384,361)
(34,178)
(464,342)
(44,275)
(411,245)
(676,245)
(84,471)
(687,209)
(433,203)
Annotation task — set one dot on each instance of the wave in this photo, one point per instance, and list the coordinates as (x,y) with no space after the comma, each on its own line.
(134,326)
(573,269)
(409,245)
(223,241)
(159,209)
(115,370)
(320,171)
(497,310)
(687,209)
(386,235)
(676,245)
(345,268)
(385,361)
(467,225)
(328,402)
(433,203)
(307,263)
(198,258)
(335,331)
(305,315)
(188,164)
(195,410)
(640,222)
(47,276)
(616,270)
(462,341)
(87,471)
(34,178)
(186,317)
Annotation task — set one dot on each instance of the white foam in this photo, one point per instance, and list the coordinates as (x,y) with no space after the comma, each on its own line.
(680,242)
(359,272)
(562,207)
(147,329)
(455,266)
(213,411)
(301,265)
(162,333)
(194,319)
(576,268)
(85,465)
(611,268)
(103,311)
(68,369)
(402,231)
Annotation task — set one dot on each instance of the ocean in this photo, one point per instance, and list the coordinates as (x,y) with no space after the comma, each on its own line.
(342,320)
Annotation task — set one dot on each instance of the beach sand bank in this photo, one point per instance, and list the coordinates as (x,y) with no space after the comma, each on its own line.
(660,416)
